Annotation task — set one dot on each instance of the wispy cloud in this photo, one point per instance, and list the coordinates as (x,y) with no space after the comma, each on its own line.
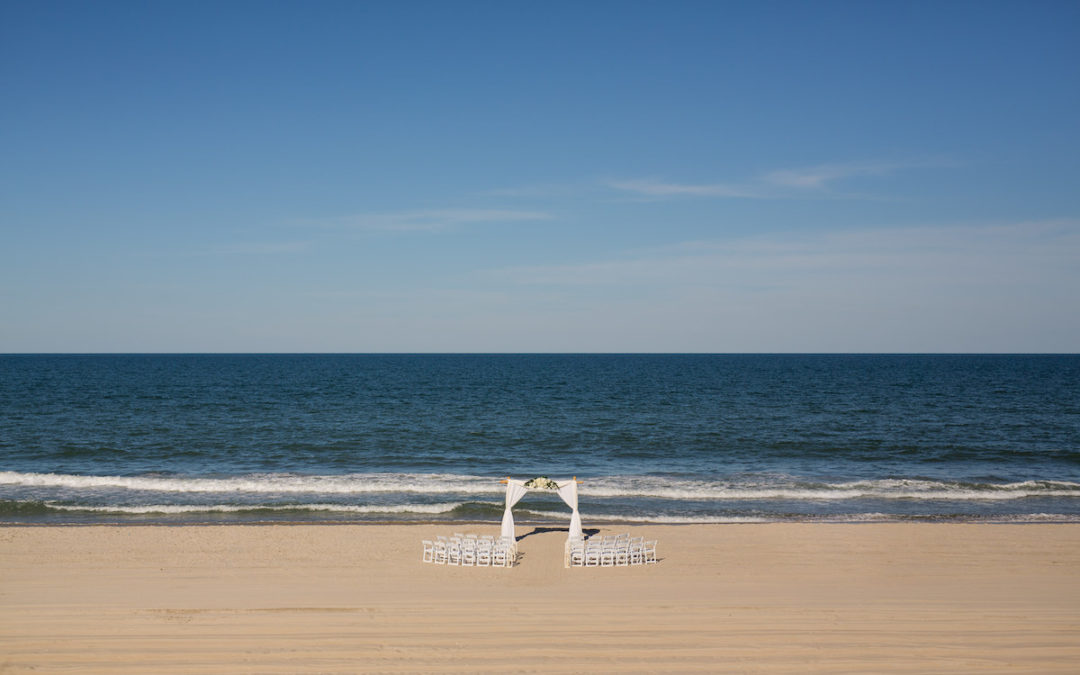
(657,188)
(915,256)
(820,176)
(779,184)
(433,220)
(958,287)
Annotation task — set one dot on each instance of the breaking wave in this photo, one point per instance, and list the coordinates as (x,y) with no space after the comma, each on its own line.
(771,488)
(266,483)
(254,508)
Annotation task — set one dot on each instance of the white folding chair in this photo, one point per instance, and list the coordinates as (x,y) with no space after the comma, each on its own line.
(577,554)
(483,553)
(499,556)
(511,545)
(468,552)
(429,551)
(650,552)
(572,544)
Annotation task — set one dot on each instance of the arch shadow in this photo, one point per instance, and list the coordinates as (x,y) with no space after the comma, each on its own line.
(588,531)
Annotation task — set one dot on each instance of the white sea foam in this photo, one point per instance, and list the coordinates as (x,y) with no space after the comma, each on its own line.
(654,487)
(239,508)
(637,518)
(645,486)
(268,483)
(526,515)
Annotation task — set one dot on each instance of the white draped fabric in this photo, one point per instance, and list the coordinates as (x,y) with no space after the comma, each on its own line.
(568,493)
(515,490)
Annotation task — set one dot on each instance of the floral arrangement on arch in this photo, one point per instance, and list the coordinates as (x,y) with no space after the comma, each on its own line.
(541,483)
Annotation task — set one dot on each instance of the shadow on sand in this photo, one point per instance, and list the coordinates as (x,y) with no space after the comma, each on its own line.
(588,532)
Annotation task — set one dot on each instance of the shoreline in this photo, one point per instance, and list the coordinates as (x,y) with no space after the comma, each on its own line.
(763,597)
(1052,519)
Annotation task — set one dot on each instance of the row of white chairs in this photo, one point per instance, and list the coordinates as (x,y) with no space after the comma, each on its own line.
(470,550)
(610,551)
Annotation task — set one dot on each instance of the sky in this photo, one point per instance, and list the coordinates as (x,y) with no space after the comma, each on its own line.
(539,176)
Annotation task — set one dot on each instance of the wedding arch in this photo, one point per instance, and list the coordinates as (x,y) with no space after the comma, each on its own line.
(567,491)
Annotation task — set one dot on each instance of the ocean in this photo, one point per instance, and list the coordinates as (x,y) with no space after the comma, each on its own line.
(653,438)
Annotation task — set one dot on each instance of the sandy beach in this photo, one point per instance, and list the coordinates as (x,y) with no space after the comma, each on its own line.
(856,598)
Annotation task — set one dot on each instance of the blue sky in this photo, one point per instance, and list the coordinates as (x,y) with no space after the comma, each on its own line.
(556,176)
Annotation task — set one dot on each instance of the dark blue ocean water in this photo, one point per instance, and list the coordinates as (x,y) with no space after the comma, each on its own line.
(662,438)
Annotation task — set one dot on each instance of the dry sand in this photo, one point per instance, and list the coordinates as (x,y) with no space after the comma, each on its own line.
(873,598)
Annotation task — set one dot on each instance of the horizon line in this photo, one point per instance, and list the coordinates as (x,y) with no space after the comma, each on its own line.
(552,353)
